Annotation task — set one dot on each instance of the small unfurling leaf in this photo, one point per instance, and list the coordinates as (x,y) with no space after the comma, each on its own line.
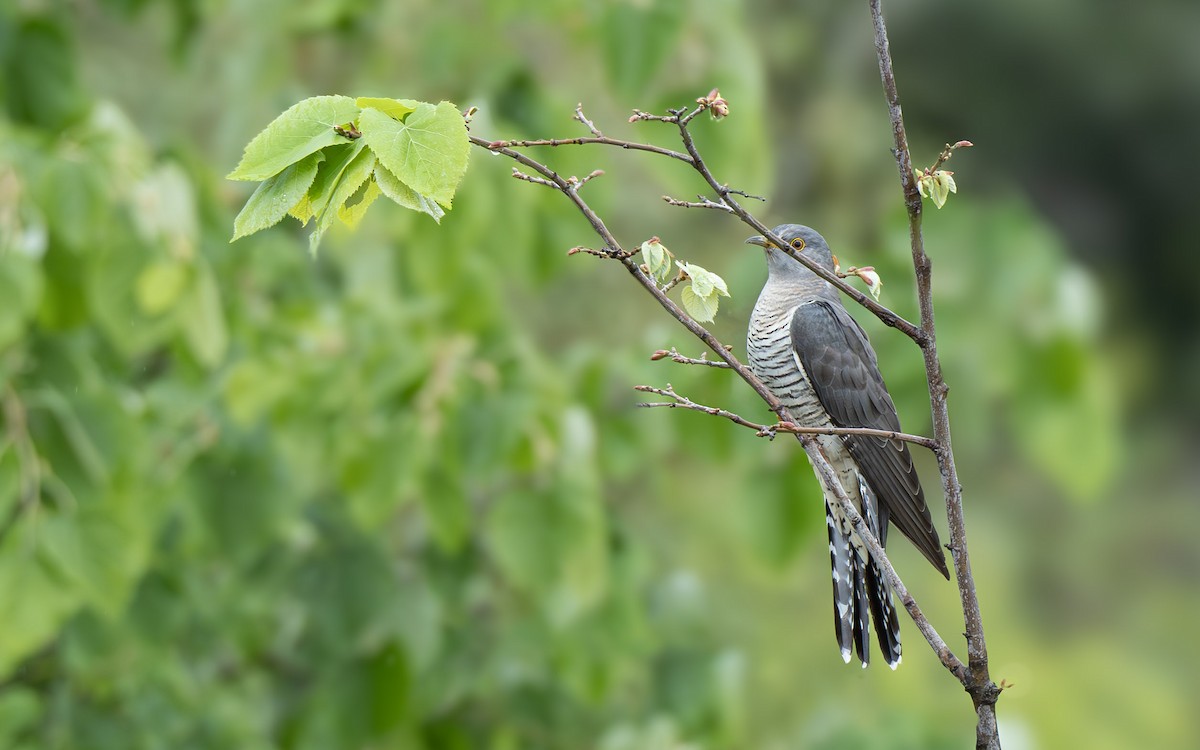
(871,278)
(937,186)
(658,259)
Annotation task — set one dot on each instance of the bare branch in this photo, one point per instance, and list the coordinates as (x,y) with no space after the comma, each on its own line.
(702,203)
(977,682)
(769,431)
(683,402)
(587,123)
(675,356)
(600,139)
(598,253)
(947,152)
(744,194)
(535,180)
(587,178)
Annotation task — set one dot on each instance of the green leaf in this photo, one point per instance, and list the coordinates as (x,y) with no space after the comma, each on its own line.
(276,196)
(939,185)
(701,308)
(352,178)
(305,128)
(395,108)
(393,188)
(706,282)
(352,213)
(329,176)
(658,259)
(428,151)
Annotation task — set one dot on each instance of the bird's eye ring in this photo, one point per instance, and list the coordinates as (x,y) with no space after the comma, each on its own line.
(798,243)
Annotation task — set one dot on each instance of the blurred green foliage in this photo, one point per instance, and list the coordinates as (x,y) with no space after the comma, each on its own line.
(398,496)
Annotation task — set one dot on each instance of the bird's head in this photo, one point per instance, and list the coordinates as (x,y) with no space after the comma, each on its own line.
(802,239)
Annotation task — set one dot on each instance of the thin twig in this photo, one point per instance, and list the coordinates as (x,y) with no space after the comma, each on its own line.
(675,356)
(587,123)
(762,430)
(673,282)
(581,181)
(744,194)
(947,152)
(535,180)
(600,139)
(702,203)
(604,253)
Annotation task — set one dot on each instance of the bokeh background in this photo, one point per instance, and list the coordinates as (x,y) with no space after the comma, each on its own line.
(399,496)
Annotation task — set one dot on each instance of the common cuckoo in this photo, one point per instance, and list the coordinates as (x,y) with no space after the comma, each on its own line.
(805,347)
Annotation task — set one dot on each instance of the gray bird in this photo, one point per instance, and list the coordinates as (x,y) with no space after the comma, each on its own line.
(804,346)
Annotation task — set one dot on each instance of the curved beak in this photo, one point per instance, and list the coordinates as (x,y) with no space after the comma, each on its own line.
(759,240)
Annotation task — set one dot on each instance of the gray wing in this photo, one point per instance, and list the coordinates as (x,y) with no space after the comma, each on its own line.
(844,373)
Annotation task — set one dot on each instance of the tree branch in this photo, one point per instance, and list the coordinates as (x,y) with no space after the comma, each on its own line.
(978,683)
(769,431)
(676,357)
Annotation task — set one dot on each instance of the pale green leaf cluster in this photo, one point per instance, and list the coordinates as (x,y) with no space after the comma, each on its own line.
(658,259)
(937,186)
(331,157)
(704,288)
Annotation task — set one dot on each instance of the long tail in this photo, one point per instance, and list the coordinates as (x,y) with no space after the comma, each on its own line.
(861,593)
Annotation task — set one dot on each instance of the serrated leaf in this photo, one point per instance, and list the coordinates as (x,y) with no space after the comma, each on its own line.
(394,108)
(277,196)
(329,176)
(428,151)
(706,282)
(352,178)
(403,195)
(303,210)
(702,308)
(351,213)
(305,128)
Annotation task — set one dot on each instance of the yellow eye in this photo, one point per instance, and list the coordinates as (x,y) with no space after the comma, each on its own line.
(798,243)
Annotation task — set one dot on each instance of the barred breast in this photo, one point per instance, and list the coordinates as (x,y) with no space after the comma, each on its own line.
(772,360)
